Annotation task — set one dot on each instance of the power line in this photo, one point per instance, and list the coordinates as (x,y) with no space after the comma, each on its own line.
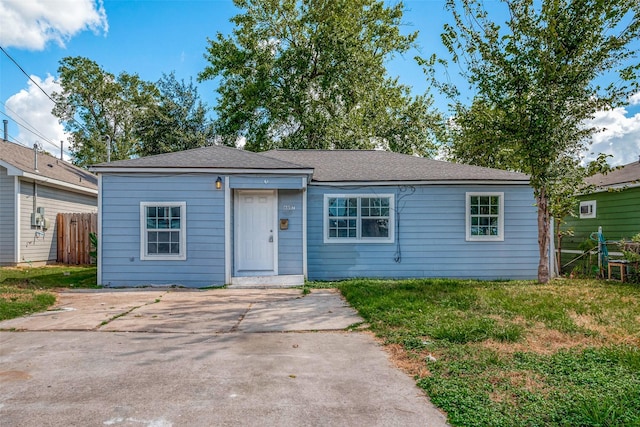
(27,74)
(25,124)
(38,86)
(16,140)
(32,129)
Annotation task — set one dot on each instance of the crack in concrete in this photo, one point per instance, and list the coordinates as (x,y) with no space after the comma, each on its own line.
(119,315)
(234,328)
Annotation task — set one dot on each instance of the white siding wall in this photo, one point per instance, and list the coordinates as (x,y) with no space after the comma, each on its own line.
(7,218)
(34,247)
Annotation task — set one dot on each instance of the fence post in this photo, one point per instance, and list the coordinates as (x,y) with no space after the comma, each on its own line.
(600,251)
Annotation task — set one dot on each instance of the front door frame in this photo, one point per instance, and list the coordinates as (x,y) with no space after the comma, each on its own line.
(273,194)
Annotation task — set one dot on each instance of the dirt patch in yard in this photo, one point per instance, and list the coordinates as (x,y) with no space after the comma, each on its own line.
(524,380)
(541,340)
(413,363)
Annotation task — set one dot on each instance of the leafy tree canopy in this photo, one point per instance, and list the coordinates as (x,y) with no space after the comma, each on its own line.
(139,118)
(535,81)
(311,74)
(95,105)
(177,120)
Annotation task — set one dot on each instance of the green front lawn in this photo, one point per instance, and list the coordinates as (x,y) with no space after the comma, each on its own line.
(512,353)
(24,290)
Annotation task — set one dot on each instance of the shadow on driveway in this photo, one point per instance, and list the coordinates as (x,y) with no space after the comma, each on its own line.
(206,358)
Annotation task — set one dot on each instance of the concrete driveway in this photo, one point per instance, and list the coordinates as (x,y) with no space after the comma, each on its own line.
(202,358)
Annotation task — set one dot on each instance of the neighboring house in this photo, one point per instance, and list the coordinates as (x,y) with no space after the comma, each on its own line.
(30,198)
(219,215)
(614,205)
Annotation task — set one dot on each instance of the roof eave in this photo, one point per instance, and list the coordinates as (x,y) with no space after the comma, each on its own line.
(422,182)
(15,171)
(614,187)
(58,183)
(270,171)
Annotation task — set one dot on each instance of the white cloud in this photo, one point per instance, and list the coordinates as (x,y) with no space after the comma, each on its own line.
(31,110)
(634,99)
(30,24)
(620,136)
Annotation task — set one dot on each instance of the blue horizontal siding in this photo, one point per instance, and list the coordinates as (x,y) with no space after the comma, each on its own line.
(121,264)
(431,237)
(290,240)
(266,182)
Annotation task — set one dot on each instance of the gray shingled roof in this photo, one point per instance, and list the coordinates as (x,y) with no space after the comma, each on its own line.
(327,165)
(22,158)
(626,175)
(215,156)
(375,165)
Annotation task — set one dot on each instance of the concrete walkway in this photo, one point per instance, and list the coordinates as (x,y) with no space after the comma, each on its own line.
(202,358)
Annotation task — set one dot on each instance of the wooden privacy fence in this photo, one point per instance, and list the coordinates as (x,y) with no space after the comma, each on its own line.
(73,236)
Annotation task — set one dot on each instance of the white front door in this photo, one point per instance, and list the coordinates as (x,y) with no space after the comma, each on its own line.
(255,233)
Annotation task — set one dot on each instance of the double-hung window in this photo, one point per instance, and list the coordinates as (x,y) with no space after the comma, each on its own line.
(485,216)
(163,230)
(358,218)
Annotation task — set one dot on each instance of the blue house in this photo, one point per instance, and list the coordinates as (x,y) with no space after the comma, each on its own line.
(218,215)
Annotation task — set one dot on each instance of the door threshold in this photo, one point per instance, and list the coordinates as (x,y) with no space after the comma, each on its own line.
(285,281)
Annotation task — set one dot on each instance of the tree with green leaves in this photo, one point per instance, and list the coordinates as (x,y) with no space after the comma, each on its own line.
(176,121)
(569,181)
(311,74)
(476,137)
(97,107)
(536,83)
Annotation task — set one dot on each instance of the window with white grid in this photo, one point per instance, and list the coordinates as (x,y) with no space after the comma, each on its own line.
(163,230)
(358,218)
(485,216)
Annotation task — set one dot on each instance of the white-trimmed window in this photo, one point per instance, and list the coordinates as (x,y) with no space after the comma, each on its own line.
(588,209)
(363,218)
(485,216)
(163,230)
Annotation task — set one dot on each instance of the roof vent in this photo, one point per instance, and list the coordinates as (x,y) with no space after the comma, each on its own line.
(35,156)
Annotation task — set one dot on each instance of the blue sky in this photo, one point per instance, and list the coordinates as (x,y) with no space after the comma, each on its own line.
(151,37)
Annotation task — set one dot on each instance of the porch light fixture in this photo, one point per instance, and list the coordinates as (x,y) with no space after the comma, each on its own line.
(218,183)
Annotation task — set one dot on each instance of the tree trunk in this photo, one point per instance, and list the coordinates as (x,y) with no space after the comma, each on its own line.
(542,200)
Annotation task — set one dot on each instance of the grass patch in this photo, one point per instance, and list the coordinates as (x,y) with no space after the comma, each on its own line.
(16,302)
(24,290)
(49,277)
(512,353)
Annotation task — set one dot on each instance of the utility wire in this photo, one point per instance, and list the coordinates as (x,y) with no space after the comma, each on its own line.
(26,126)
(38,86)
(26,74)
(17,141)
